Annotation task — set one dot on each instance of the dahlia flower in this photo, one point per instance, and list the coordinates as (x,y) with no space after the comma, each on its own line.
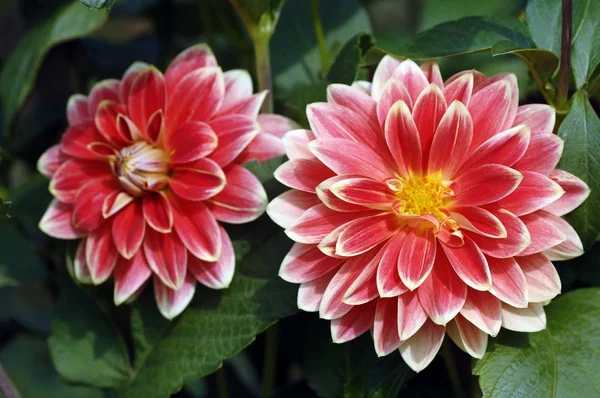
(149,166)
(421,207)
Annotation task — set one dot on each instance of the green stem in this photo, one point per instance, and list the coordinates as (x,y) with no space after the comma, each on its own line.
(314,8)
(222,383)
(565,55)
(263,68)
(270,365)
(457,386)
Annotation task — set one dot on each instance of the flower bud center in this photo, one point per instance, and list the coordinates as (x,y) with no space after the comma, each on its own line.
(142,167)
(421,195)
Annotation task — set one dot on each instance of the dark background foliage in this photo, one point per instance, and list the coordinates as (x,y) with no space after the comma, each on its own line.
(58,339)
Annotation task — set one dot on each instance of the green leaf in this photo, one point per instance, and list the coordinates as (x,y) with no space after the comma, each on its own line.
(463,36)
(98,4)
(352,369)
(218,324)
(19,73)
(85,345)
(345,68)
(299,64)
(561,361)
(439,11)
(18,262)
(27,362)
(544,18)
(581,156)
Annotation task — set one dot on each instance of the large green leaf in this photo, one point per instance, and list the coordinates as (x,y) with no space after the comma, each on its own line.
(544,18)
(217,325)
(561,361)
(439,11)
(296,61)
(581,156)
(85,345)
(345,68)
(352,369)
(19,73)
(27,362)
(98,4)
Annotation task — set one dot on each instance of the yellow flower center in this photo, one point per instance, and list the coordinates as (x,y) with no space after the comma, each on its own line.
(142,167)
(421,195)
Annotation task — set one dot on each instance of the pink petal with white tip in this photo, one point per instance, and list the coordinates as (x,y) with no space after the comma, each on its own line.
(195,57)
(543,282)
(412,77)
(539,117)
(356,100)
(470,264)
(234,133)
(485,184)
(303,174)
(419,350)
(285,209)
(460,89)
(411,315)
(172,302)
(386,68)
(542,155)
(385,332)
(389,283)
(468,337)
(535,192)
(100,253)
(50,161)
(362,234)
(80,267)
(393,91)
(427,112)
(305,263)
(310,294)
(296,142)
(354,323)
(483,310)
(530,319)
(403,139)
(545,232)
(508,281)
(56,221)
(432,73)
(166,256)
(128,229)
(78,110)
(130,276)
(576,192)
(218,274)
(518,237)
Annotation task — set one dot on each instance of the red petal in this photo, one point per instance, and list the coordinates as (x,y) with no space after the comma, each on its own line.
(364,191)
(508,281)
(389,283)
(386,68)
(483,310)
(285,209)
(542,155)
(364,287)
(146,96)
(238,86)
(576,192)
(105,90)
(72,175)
(198,180)
(354,323)
(77,138)
(432,73)
(539,117)
(420,349)
(443,293)
(234,132)
(535,192)
(303,174)
(310,294)
(545,232)
(364,233)
(403,140)
(195,57)
(470,264)
(157,212)
(172,302)
(296,144)
(479,220)
(197,228)
(411,315)
(385,332)
(89,201)
(331,200)
(106,120)
(517,239)
(81,270)
(416,257)
(128,229)
(218,274)
(427,113)
(305,263)
(460,89)
(393,91)
(412,77)
(468,337)
(77,110)
(50,161)
(100,253)
(485,184)
(572,247)
(130,276)
(356,100)
(543,282)
(191,141)
(167,257)
(56,221)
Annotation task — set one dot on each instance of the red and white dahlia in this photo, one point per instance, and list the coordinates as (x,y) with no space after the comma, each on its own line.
(422,207)
(149,166)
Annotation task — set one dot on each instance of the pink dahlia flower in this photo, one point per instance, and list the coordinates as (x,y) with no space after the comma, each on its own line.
(422,207)
(149,166)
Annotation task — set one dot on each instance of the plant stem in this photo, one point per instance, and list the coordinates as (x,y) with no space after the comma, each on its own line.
(7,388)
(565,55)
(457,386)
(314,8)
(263,67)
(222,383)
(270,365)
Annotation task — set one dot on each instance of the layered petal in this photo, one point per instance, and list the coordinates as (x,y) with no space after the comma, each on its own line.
(56,221)
(357,321)
(530,319)
(130,276)
(385,332)
(50,161)
(419,350)
(285,209)
(100,253)
(128,230)
(234,133)
(535,192)
(218,274)
(411,315)
(485,184)
(470,264)
(403,139)
(543,282)
(576,192)
(416,257)
(468,337)
(167,257)
(303,174)
(508,281)
(199,180)
(364,233)
(305,263)
(172,302)
(483,310)
(191,141)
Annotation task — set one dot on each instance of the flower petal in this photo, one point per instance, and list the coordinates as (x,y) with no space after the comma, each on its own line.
(88,203)
(310,294)
(234,132)
(576,192)
(508,281)
(100,253)
(242,200)
(403,139)
(303,174)
(285,209)
(191,141)
(147,95)
(305,263)
(412,77)
(354,323)
(171,302)
(419,350)
(198,180)
(485,184)
(218,274)
(72,175)
(544,230)
(363,191)
(197,228)
(572,247)
(238,86)
(429,108)
(451,140)
(77,138)
(539,117)
(128,229)
(535,192)
(348,157)
(530,319)
(130,276)
(157,212)
(364,287)
(543,282)
(196,97)
(393,91)
(416,257)
(517,239)
(331,200)
(167,257)
(195,57)
(443,293)
(105,90)
(81,270)
(468,337)
(77,110)
(385,69)
(356,100)
(432,73)
(296,142)
(50,161)
(385,332)
(460,89)
(56,221)
(478,220)
(364,233)
(542,155)
(470,264)
(411,315)
(389,283)
(483,310)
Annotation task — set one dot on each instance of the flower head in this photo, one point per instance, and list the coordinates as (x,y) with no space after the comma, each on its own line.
(422,207)
(149,166)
